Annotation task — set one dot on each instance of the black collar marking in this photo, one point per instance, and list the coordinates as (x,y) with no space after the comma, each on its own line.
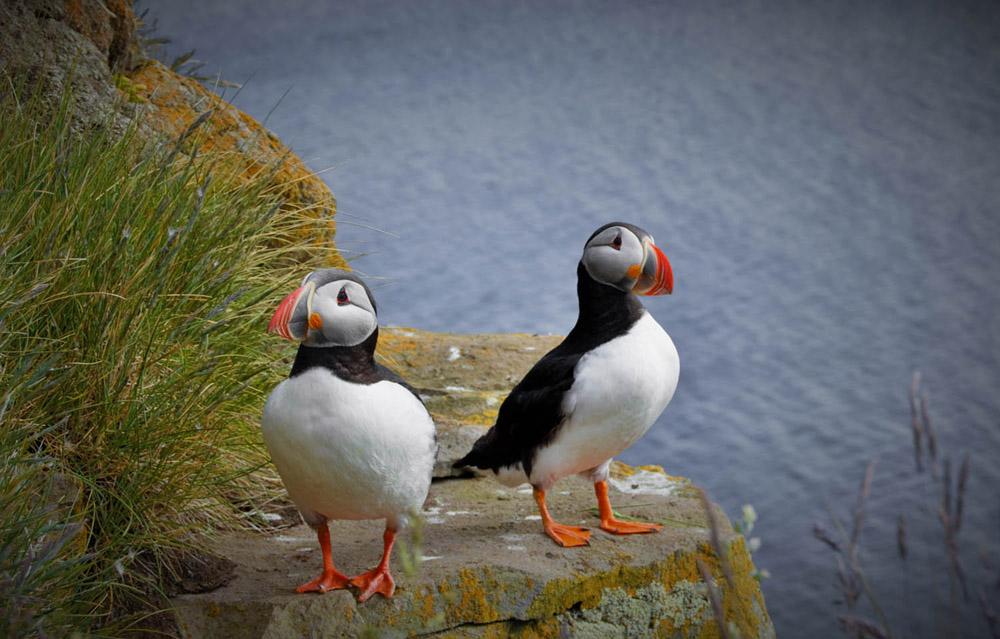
(350,363)
(531,415)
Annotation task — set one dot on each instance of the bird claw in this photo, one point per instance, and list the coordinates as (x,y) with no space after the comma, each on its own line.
(568,536)
(619,527)
(328,580)
(376,580)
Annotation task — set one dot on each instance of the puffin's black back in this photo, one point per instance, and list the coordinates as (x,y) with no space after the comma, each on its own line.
(531,415)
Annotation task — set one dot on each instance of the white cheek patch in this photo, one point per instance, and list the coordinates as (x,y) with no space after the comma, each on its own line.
(610,266)
(343,325)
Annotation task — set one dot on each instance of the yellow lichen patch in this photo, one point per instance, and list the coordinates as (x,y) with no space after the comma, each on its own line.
(741,605)
(535,629)
(474,594)
(621,470)
(129,90)
(175,102)
(745,602)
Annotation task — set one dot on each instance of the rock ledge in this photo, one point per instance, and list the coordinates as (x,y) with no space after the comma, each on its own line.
(484,569)
(478,564)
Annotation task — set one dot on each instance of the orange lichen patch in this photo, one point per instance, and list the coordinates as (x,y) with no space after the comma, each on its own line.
(175,102)
(91,20)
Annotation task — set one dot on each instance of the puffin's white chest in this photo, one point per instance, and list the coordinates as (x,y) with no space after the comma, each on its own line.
(619,390)
(349,451)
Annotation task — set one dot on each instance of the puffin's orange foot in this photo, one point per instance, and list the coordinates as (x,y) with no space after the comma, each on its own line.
(329,580)
(619,527)
(376,580)
(568,536)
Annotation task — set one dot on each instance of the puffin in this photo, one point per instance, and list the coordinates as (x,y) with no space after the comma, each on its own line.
(598,391)
(350,439)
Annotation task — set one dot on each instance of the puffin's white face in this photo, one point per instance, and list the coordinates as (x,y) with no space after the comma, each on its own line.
(331,308)
(624,256)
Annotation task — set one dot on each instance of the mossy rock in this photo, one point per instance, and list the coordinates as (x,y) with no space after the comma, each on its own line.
(488,571)
(172,102)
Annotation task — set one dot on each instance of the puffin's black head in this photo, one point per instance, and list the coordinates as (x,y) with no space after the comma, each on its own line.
(624,256)
(331,308)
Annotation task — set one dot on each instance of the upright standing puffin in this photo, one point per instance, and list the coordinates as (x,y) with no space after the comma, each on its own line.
(596,393)
(350,439)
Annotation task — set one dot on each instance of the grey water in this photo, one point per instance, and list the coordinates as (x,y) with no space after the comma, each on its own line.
(825,178)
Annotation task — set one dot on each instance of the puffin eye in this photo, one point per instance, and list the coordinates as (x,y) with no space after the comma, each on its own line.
(342,297)
(616,243)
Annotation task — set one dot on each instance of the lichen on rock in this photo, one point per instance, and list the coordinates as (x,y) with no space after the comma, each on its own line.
(89,50)
(172,102)
(491,572)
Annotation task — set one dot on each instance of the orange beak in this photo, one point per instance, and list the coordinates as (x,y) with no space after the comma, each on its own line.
(657,277)
(282,321)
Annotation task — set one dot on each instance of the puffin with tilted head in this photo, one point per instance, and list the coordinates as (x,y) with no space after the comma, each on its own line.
(350,439)
(596,393)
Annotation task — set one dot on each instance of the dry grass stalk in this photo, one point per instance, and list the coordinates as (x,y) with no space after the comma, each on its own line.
(859,512)
(951,521)
(715,539)
(714,598)
(951,511)
(921,426)
(821,533)
(915,422)
(862,627)
(992,622)
(925,418)
(850,574)
(901,537)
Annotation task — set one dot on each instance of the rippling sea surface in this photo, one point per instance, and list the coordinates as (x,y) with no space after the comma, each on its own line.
(825,179)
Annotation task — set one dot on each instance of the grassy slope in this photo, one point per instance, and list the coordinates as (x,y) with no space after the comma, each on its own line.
(136,284)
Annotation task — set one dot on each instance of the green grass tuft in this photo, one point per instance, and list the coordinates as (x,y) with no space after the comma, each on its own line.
(137,282)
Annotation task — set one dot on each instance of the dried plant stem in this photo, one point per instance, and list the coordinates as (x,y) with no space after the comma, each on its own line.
(915,423)
(991,616)
(925,419)
(714,598)
(951,521)
(862,627)
(715,539)
(850,574)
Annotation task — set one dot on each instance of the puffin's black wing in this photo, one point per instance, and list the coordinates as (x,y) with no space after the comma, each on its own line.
(530,416)
(385,373)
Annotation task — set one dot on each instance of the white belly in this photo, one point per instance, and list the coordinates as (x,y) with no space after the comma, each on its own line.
(619,390)
(350,451)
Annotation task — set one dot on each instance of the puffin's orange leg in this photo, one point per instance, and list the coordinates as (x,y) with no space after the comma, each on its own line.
(378,578)
(330,578)
(617,526)
(566,536)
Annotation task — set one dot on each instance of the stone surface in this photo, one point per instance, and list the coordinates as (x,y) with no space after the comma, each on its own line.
(462,379)
(49,44)
(486,570)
